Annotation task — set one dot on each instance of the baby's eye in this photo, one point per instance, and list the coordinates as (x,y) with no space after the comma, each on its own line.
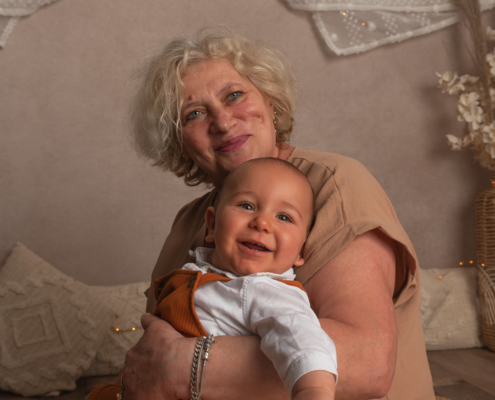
(284,217)
(247,206)
(234,95)
(193,115)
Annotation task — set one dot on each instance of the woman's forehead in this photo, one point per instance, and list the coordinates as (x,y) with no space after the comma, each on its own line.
(212,77)
(210,67)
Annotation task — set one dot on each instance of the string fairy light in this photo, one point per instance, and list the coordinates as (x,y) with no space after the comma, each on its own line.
(125,330)
(460,264)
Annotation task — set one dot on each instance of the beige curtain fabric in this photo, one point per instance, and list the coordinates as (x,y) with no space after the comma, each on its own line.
(355,26)
(12,10)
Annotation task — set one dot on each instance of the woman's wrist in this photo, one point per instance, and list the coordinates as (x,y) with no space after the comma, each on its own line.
(237,365)
(181,369)
(200,359)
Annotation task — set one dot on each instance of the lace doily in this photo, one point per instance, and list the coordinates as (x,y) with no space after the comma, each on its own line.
(354,26)
(12,10)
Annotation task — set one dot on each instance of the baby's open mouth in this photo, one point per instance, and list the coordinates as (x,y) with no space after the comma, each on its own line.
(255,246)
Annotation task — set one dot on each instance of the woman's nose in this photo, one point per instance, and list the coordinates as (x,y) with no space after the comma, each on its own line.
(261,223)
(222,120)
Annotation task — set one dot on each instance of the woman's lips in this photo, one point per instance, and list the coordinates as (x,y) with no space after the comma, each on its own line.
(232,144)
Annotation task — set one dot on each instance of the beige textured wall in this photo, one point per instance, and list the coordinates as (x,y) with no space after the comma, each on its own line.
(73,191)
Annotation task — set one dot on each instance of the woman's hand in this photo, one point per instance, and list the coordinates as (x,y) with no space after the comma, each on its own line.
(158,367)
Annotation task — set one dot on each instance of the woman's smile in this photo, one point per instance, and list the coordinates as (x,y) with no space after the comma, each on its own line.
(232,144)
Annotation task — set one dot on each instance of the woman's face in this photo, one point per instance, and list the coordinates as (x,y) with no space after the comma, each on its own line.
(225,118)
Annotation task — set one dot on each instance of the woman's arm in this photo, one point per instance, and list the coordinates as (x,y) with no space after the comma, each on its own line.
(352,296)
(159,367)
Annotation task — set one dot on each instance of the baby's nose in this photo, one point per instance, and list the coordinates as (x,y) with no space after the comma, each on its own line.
(262,223)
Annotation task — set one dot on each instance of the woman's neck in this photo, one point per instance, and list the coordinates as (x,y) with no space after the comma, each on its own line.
(285,150)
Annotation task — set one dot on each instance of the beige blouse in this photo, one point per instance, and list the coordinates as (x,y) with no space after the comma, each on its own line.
(349,202)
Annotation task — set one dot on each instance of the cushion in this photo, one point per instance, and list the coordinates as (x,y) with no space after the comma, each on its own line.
(450,310)
(128,303)
(434,291)
(51,326)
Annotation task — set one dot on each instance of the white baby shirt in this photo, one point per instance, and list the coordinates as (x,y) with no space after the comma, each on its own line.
(291,335)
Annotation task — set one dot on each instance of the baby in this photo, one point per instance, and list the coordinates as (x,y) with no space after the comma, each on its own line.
(245,286)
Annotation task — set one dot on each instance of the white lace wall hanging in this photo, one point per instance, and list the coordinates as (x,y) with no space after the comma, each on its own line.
(354,26)
(12,10)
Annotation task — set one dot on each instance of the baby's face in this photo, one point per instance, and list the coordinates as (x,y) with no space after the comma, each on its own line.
(261,221)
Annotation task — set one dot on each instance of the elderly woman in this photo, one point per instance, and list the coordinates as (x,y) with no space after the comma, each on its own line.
(206,106)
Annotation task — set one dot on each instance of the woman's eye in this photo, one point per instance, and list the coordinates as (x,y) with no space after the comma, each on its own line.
(284,217)
(247,206)
(234,95)
(193,115)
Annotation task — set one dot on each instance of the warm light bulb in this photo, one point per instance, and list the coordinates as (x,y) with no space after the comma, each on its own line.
(460,263)
(343,13)
(470,262)
(133,328)
(482,265)
(363,24)
(440,277)
(117,329)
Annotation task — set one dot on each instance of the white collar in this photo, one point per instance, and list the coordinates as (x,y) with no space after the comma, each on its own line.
(204,255)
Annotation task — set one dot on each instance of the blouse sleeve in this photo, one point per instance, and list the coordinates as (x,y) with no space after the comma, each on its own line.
(349,202)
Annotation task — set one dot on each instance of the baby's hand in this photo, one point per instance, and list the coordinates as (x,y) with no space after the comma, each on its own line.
(315,385)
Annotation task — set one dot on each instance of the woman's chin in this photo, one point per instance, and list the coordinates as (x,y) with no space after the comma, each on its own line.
(234,162)
(229,162)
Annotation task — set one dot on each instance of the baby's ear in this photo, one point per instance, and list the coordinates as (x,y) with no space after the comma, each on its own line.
(300,260)
(210,224)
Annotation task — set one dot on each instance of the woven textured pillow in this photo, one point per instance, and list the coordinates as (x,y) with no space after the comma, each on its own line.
(128,303)
(434,291)
(455,322)
(51,326)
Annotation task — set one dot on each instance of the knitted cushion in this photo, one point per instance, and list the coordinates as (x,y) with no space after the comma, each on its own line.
(128,303)
(434,291)
(454,323)
(50,326)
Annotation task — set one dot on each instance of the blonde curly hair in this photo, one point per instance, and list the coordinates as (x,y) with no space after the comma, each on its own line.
(155,110)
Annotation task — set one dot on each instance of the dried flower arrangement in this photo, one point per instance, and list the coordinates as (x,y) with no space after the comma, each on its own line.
(476,107)
(476,93)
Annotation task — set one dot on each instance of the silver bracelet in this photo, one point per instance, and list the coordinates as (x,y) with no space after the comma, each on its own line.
(201,352)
